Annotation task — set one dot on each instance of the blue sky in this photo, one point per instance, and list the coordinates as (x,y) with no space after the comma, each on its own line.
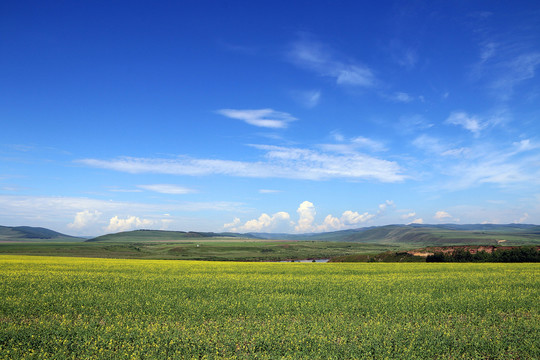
(268,115)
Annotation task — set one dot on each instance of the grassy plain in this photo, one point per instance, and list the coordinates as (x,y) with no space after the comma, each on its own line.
(81,308)
(217,249)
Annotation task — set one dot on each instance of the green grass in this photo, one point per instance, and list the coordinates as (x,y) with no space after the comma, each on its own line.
(163,236)
(76,308)
(217,249)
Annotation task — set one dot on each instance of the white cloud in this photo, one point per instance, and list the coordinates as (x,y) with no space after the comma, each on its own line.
(495,167)
(280,162)
(308,99)
(352,145)
(456,152)
(269,191)
(417,221)
(306,213)
(401,97)
(232,225)
(487,51)
(471,123)
(356,75)
(319,58)
(264,223)
(167,189)
(525,145)
(267,118)
(84,218)
(441,215)
(408,215)
(522,219)
(513,72)
(58,212)
(384,205)
(306,218)
(352,217)
(429,144)
(412,124)
(117,224)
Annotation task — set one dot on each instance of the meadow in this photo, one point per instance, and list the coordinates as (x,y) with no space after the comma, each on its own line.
(223,249)
(83,308)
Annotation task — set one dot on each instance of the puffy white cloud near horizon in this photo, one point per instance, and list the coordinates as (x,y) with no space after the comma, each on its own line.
(306,222)
(441,215)
(117,224)
(84,219)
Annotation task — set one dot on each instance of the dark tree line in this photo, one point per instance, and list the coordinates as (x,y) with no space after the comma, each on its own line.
(518,254)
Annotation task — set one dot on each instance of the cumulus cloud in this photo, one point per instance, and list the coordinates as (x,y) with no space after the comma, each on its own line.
(522,219)
(321,59)
(265,222)
(441,215)
(279,162)
(306,217)
(84,219)
(348,219)
(417,221)
(167,189)
(306,222)
(117,224)
(267,118)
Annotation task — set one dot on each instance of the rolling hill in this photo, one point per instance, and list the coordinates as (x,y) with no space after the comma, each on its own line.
(416,234)
(36,234)
(413,235)
(163,236)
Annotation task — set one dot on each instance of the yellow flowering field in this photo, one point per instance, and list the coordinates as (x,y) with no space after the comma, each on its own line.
(81,308)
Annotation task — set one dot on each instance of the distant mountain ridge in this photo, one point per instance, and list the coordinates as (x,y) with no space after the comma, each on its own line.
(402,235)
(29,233)
(422,234)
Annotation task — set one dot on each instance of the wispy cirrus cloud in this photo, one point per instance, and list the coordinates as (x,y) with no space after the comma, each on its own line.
(267,118)
(167,189)
(322,59)
(401,97)
(507,60)
(468,122)
(353,144)
(308,98)
(502,165)
(269,191)
(513,72)
(277,162)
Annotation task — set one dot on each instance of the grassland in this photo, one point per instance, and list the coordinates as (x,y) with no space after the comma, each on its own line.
(77,308)
(225,249)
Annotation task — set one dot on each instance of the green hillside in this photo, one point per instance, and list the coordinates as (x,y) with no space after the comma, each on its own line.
(424,235)
(162,236)
(34,234)
(397,235)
